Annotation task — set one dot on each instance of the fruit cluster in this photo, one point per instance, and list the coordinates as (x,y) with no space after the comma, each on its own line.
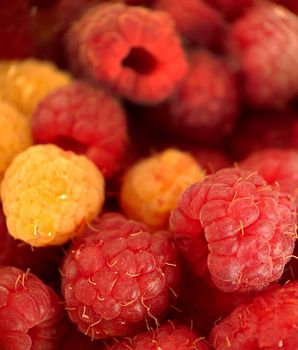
(149,175)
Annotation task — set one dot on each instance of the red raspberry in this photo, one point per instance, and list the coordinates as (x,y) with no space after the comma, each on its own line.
(268,322)
(276,166)
(131,49)
(232,8)
(118,277)
(16,36)
(292,5)
(236,228)
(264,42)
(31,315)
(168,337)
(205,105)
(195,20)
(262,130)
(85,120)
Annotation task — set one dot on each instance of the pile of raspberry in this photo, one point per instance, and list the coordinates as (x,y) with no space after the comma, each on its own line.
(149,175)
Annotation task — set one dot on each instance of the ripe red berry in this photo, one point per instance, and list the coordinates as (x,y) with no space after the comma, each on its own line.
(264,43)
(234,227)
(268,322)
(131,49)
(31,315)
(86,120)
(118,277)
(205,104)
(168,337)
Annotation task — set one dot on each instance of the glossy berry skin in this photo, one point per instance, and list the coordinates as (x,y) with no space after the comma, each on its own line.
(31,314)
(86,120)
(268,322)
(117,277)
(235,228)
(264,43)
(167,337)
(133,50)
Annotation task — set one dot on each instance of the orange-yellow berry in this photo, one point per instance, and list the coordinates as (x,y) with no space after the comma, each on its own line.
(49,194)
(15,134)
(151,188)
(25,83)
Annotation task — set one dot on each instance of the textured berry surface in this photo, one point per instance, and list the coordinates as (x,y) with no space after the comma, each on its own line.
(232,8)
(268,322)
(118,277)
(196,21)
(168,337)
(151,187)
(85,120)
(133,50)
(25,83)
(31,313)
(48,195)
(234,226)
(264,42)
(276,166)
(15,134)
(206,103)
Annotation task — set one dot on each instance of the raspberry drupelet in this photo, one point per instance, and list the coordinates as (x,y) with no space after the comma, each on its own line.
(15,134)
(31,315)
(264,44)
(25,83)
(277,166)
(163,177)
(268,322)
(236,228)
(133,50)
(117,277)
(167,337)
(86,120)
(205,105)
(49,194)
(196,21)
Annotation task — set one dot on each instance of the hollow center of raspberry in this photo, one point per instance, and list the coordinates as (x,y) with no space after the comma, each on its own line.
(70,144)
(140,60)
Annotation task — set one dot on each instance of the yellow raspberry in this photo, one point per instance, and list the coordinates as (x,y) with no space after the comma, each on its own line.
(15,134)
(49,194)
(151,188)
(25,83)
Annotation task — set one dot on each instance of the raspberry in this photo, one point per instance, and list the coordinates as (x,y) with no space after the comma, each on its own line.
(236,228)
(25,83)
(268,322)
(264,42)
(31,314)
(48,195)
(163,177)
(83,119)
(15,135)
(16,37)
(205,105)
(262,130)
(117,277)
(276,166)
(168,337)
(232,8)
(195,20)
(131,49)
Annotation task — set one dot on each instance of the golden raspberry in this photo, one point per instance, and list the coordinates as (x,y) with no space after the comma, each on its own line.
(25,83)
(15,134)
(151,188)
(49,194)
